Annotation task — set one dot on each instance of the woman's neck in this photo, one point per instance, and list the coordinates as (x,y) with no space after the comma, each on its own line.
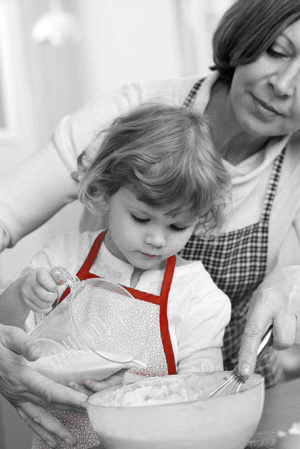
(231,141)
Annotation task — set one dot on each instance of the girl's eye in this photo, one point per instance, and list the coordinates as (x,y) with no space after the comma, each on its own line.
(139,220)
(178,228)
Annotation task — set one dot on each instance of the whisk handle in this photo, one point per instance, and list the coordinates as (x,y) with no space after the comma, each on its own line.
(265,345)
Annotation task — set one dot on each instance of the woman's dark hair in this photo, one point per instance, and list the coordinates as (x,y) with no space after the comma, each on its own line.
(248,29)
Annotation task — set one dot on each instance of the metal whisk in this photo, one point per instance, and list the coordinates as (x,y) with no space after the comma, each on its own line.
(235,380)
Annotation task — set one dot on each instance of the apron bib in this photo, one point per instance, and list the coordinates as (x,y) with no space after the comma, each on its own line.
(158,355)
(237,263)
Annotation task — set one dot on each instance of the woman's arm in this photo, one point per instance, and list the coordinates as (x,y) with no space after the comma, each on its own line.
(12,311)
(34,291)
(39,187)
(31,393)
(32,193)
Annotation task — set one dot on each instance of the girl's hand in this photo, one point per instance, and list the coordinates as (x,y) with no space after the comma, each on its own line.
(90,387)
(37,290)
(277,302)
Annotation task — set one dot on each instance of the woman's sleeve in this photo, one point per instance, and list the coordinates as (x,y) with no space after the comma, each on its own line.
(39,187)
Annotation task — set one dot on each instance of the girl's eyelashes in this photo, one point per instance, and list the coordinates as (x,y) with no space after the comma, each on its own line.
(178,228)
(138,219)
(173,227)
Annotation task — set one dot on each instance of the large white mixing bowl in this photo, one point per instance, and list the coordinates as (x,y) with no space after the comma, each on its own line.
(131,417)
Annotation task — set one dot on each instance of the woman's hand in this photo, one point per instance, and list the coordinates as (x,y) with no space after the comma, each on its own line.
(277,302)
(31,393)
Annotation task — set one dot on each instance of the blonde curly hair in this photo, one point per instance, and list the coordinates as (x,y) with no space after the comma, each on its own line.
(166,154)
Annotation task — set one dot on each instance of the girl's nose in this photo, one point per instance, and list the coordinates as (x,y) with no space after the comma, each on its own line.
(284,82)
(156,238)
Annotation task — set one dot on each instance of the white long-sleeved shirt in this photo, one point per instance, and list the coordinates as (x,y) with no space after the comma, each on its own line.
(47,173)
(197,311)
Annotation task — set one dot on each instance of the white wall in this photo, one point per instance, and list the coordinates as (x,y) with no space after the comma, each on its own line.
(128,40)
(122,41)
(197,20)
(33,109)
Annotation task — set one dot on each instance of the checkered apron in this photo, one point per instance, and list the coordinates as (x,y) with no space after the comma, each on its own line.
(237,262)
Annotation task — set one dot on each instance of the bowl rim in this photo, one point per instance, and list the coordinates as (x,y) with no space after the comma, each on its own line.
(259,380)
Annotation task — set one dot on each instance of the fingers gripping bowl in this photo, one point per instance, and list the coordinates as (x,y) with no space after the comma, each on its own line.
(171,412)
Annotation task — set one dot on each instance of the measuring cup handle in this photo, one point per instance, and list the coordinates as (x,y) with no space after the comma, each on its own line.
(60,273)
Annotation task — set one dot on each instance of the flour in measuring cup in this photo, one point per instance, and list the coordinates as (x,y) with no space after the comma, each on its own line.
(77,366)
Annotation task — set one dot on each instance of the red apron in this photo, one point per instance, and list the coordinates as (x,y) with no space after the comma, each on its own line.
(160,357)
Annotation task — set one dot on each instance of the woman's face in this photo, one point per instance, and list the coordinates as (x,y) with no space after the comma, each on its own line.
(265,94)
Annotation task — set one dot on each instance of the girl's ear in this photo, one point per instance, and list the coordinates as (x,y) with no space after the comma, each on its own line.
(105,201)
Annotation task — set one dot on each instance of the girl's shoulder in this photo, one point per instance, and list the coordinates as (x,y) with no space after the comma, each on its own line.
(182,263)
(191,271)
(193,286)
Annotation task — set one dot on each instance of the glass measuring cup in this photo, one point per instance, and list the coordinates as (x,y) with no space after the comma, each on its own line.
(97,330)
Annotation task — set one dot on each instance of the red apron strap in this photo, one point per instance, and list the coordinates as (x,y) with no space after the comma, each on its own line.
(165,288)
(83,272)
(164,325)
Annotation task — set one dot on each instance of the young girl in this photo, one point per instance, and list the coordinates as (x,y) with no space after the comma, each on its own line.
(159,179)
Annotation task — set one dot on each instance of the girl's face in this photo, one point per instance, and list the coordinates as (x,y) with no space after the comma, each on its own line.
(142,235)
(265,94)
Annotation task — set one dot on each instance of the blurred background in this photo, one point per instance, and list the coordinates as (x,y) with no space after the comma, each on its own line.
(58,54)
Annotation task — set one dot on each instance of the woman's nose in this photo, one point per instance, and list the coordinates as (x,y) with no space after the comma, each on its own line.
(284,82)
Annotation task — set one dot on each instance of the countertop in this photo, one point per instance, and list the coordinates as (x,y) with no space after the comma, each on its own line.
(281,410)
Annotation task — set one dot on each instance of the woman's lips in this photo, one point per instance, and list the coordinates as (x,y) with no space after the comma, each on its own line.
(267,106)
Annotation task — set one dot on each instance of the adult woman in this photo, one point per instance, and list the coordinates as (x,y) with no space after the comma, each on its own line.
(253,102)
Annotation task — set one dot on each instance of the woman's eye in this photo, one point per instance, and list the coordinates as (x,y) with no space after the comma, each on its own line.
(276,53)
(139,220)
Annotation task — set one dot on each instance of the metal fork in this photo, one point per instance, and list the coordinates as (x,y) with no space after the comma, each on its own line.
(236,379)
